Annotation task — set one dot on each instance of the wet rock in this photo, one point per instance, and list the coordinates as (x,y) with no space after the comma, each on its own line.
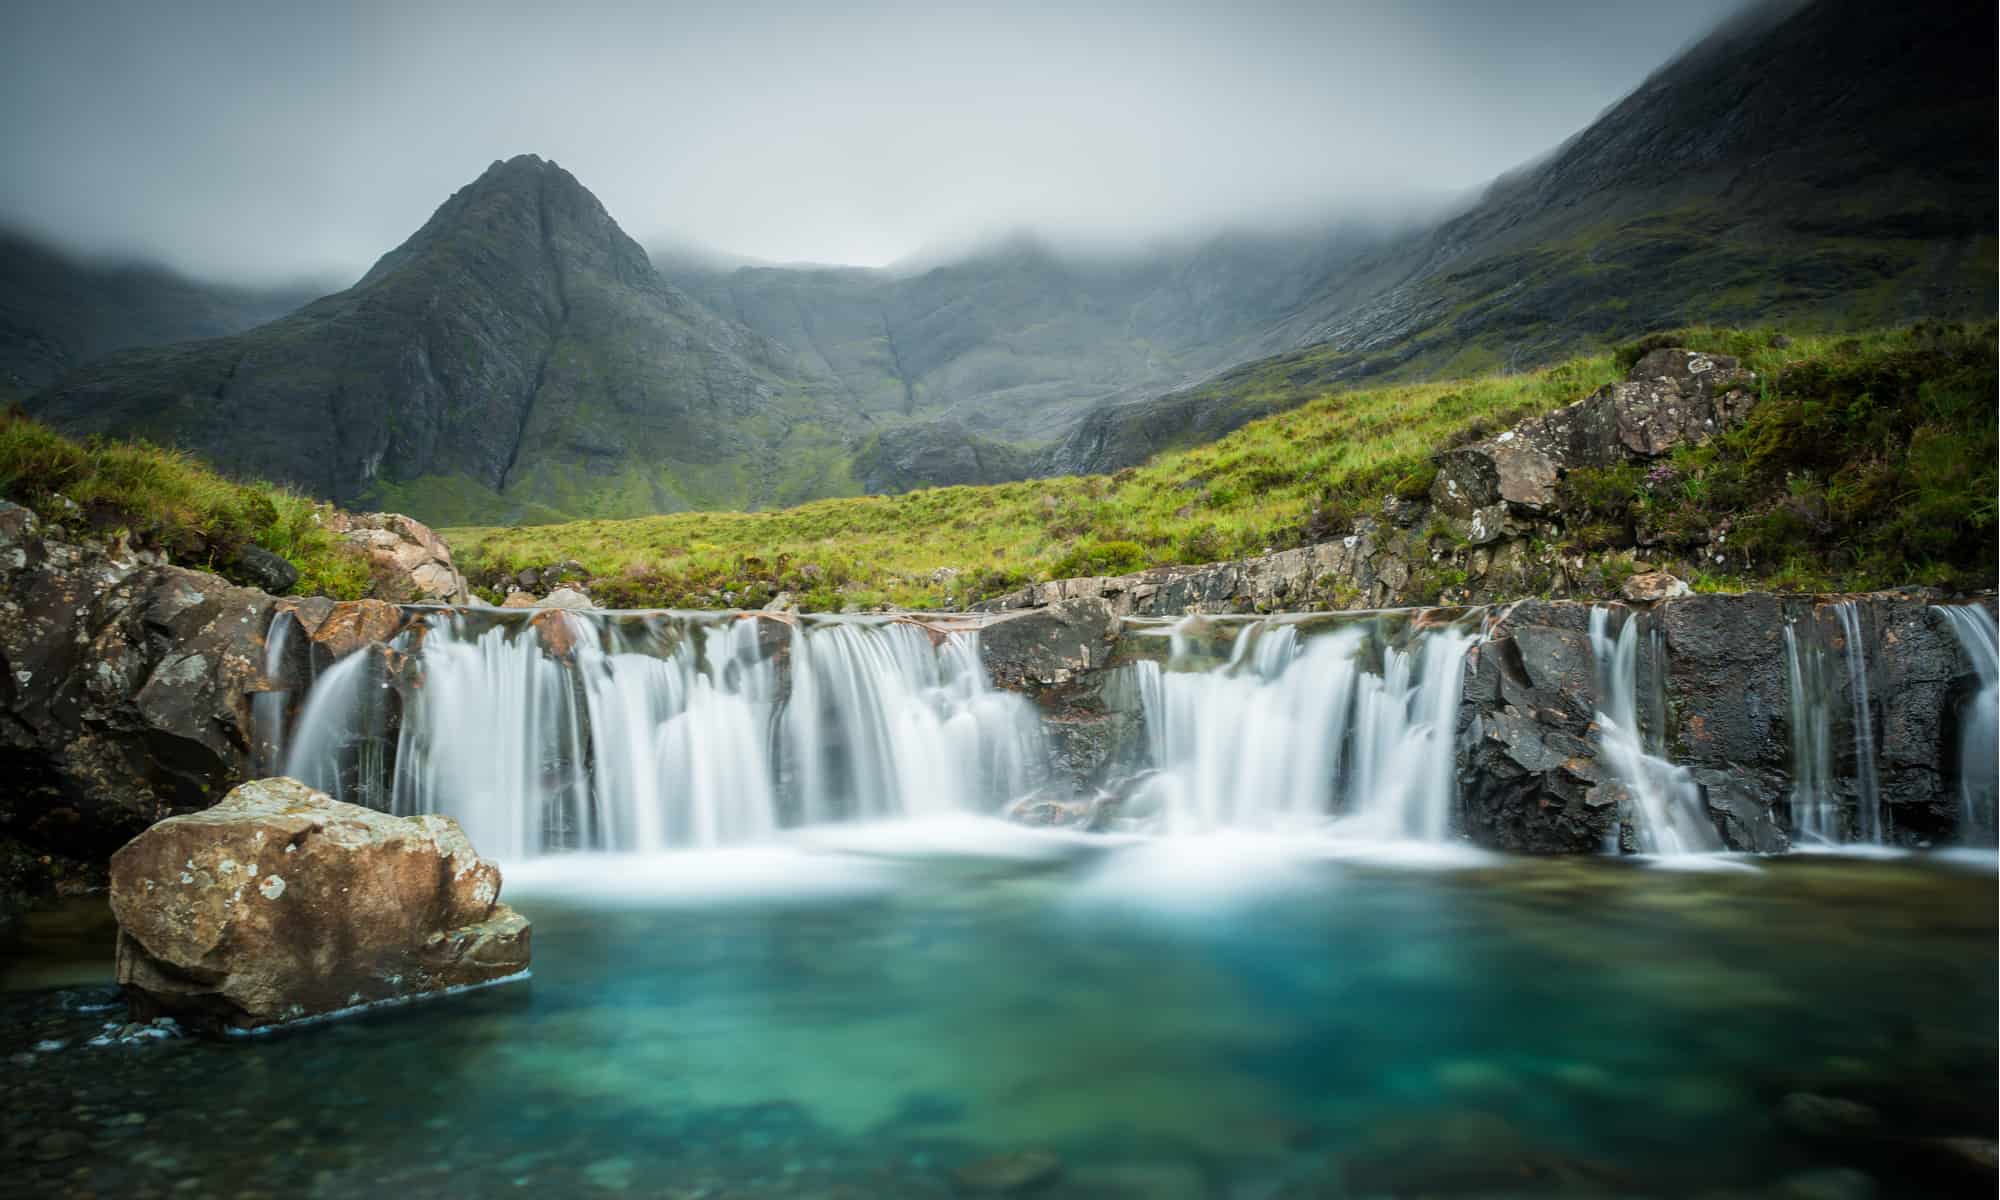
(1744,806)
(1829,1183)
(280,903)
(266,570)
(1012,1173)
(1812,1115)
(1050,645)
(353,624)
(1528,766)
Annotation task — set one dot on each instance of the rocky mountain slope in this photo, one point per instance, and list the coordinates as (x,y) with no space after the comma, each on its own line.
(59,311)
(517,356)
(1010,342)
(1828,164)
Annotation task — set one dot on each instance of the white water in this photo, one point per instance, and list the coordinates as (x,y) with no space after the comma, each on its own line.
(658,733)
(267,709)
(1293,732)
(1867,783)
(1815,808)
(1667,809)
(1979,727)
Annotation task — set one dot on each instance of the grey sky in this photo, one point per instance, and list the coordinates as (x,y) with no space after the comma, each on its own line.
(277,139)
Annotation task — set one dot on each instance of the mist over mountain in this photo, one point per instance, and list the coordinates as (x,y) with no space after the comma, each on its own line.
(59,310)
(521,358)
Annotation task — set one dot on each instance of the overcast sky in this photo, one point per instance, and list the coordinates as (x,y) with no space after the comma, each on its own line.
(272,139)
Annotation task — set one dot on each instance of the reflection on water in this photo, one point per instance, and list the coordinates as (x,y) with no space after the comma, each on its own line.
(862,1013)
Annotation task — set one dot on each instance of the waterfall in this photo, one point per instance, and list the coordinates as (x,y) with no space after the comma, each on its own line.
(1978,735)
(1669,817)
(267,709)
(1867,783)
(648,732)
(1292,731)
(1809,688)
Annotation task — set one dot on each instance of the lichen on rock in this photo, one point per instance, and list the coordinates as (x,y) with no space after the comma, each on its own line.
(281,904)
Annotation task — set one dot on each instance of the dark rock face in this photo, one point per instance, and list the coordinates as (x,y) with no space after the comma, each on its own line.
(936,454)
(280,904)
(1057,655)
(1529,769)
(1050,646)
(125,691)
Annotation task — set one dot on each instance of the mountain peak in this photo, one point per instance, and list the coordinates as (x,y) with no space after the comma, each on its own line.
(530,212)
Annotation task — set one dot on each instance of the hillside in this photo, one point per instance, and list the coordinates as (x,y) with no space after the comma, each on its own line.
(1823,166)
(517,358)
(1013,341)
(59,311)
(1868,462)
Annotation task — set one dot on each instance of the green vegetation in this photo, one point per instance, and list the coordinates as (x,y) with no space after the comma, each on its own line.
(1869,463)
(164,499)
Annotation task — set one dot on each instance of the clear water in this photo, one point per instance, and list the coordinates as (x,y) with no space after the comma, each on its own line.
(861,1011)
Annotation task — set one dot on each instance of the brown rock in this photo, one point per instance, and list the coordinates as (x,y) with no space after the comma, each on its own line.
(280,904)
(355,623)
(1653,586)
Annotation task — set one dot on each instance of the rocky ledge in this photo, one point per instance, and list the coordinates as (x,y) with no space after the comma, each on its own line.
(280,904)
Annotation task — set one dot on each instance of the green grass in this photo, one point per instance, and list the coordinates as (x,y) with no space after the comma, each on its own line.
(1869,462)
(165,499)
(1894,430)
(1281,481)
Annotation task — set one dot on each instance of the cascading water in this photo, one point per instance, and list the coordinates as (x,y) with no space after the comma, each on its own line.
(650,732)
(1979,722)
(1809,688)
(1867,783)
(1293,731)
(267,709)
(1666,801)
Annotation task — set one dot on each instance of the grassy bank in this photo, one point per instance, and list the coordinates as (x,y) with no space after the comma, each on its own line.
(164,499)
(1869,463)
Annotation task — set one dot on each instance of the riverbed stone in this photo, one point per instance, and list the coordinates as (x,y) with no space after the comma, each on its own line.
(281,904)
(1011,1173)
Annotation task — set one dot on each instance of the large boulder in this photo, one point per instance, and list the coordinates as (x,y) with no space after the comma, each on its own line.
(411,564)
(281,904)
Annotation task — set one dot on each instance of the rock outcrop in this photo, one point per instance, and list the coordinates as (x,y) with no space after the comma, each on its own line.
(125,688)
(1490,529)
(1504,485)
(281,904)
(409,562)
